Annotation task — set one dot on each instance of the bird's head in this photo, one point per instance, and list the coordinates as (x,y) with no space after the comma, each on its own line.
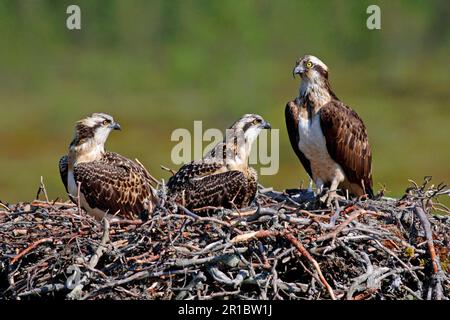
(240,137)
(94,130)
(249,127)
(238,140)
(310,68)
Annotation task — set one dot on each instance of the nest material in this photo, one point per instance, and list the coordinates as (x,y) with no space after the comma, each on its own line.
(286,248)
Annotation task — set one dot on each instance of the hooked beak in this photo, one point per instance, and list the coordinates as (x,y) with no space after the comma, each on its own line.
(115,126)
(266,125)
(297,70)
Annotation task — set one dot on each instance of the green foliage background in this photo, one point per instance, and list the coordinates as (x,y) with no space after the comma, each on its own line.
(160,65)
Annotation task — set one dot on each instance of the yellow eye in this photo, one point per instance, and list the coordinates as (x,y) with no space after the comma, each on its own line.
(255,121)
(309,64)
(105,122)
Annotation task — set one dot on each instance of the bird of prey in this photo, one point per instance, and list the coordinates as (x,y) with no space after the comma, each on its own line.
(109,183)
(329,138)
(223,177)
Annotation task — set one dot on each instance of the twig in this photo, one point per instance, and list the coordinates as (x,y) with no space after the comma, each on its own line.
(305,253)
(341,227)
(29,248)
(169,170)
(154,180)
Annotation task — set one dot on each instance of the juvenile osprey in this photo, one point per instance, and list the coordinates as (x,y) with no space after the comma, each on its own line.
(222,178)
(110,184)
(329,138)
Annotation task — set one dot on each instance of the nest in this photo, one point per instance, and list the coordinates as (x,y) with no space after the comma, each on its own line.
(286,247)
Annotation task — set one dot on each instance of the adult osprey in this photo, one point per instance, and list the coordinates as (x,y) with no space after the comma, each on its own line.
(329,138)
(223,177)
(110,184)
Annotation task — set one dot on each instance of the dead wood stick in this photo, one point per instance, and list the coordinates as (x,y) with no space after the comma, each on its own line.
(101,249)
(102,246)
(254,235)
(340,227)
(221,294)
(208,219)
(207,208)
(168,169)
(295,242)
(126,222)
(139,276)
(307,255)
(42,188)
(297,245)
(29,248)
(154,180)
(244,213)
(5,207)
(317,216)
(429,235)
(226,256)
(44,204)
(438,273)
(44,289)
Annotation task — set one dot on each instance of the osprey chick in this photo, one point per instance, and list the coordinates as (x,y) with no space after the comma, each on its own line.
(110,184)
(222,178)
(329,138)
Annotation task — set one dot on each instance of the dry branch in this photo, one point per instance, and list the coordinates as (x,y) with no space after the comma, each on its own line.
(286,246)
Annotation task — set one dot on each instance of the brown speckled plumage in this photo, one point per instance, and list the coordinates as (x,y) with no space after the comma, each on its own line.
(203,184)
(109,183)
(113,184)
(211,182)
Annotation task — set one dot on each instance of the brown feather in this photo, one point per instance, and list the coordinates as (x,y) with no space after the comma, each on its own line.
(347,142)
(207,183)
(113,184)
(291,116)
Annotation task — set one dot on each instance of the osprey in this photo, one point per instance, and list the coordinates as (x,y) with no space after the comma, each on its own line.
(110,184)
(223,177)
(328,137)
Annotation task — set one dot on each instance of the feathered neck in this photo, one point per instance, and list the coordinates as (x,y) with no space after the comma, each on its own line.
(87,151)
(316,92)
(233,151)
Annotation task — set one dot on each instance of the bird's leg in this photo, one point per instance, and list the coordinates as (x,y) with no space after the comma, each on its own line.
(319,186)
(310,185)
(331,194)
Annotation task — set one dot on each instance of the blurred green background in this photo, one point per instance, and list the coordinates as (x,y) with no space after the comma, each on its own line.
(160,65)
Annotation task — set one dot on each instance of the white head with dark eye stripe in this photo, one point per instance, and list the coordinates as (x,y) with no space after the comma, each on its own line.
(310,67)
(249,126)
(242,134)
(91,134)
(315,86)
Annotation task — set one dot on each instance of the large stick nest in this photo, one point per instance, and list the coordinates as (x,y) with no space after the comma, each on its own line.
(288,247)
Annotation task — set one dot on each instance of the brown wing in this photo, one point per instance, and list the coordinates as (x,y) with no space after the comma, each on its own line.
(192,170)
(115,184)
(347,142)
(202,184)
(217,190)
(292,116)
(63,171)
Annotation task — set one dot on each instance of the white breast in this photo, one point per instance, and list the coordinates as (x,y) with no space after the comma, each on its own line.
(313,144)
(312,141)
